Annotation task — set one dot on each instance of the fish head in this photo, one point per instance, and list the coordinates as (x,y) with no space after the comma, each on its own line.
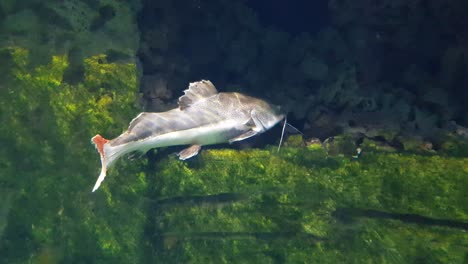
(263,115)
(268,115)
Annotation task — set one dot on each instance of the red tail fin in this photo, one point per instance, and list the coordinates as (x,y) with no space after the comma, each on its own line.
(99,142)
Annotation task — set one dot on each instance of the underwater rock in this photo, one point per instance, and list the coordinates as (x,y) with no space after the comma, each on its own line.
(305,198)
(331,44)
(422,122)
(92,27)
(155,93)
(452,144)
(342,91)
(22,22)
(457,129)
(340,145)
(314,69)
(294,141)
(416,144)
(313,143)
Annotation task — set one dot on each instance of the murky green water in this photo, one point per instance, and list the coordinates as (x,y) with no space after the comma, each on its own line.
(301,205)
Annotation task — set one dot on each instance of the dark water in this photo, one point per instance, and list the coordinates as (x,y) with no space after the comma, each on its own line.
(379,175)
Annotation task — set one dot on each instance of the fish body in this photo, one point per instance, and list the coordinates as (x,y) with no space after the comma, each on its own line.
(204,117)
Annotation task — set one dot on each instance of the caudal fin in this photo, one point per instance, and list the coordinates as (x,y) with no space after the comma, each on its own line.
(99,143)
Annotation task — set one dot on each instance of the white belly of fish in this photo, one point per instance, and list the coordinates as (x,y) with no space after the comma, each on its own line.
(202,135)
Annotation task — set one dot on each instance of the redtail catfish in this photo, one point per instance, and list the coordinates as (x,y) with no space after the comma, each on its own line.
(203,117)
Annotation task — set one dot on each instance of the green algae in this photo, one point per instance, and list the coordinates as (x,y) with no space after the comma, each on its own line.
(453,145)
(401,182)
(305,204)
(290,200)
(49,164)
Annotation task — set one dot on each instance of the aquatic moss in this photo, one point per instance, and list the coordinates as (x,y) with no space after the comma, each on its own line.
(454,145)
(284,206)
(48,161)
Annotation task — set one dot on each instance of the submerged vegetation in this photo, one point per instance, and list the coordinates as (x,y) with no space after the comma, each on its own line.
(305,204)
(48,164)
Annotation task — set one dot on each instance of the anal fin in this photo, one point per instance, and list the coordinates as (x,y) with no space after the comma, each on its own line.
(189,152)
(243,136)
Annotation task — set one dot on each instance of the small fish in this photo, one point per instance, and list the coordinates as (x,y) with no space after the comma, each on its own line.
(204,117)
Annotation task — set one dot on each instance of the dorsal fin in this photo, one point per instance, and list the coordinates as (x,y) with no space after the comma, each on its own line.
(195,92)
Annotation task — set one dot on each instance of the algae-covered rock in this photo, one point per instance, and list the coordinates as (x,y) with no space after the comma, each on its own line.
(48,166)
(294,141)
(454,145)
(343,144)
(303,206)
(415,144)
(84,28)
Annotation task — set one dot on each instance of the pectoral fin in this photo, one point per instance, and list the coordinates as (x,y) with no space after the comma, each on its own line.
(243,136)
(189,152)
